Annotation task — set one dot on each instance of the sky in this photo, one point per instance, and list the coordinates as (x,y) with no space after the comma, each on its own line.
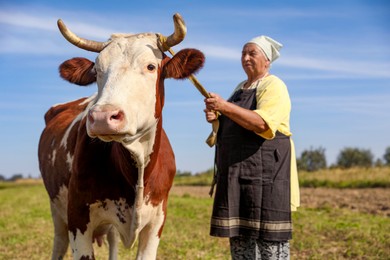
(335,62)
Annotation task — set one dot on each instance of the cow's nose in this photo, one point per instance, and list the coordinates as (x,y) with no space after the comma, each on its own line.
(106,120)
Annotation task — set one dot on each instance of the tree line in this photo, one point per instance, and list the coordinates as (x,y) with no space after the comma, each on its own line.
(314,159)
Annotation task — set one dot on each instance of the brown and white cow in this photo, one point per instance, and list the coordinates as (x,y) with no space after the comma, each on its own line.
(106,161)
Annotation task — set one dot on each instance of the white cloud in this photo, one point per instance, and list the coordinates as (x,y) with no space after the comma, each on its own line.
(219,51)
(320,61)
(19,44)
(38,34)
(367,105)
(20,19)
(314,56)
(254,11)
(345,67)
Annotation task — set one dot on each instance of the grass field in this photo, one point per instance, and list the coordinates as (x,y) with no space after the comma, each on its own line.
(320,232)
(330,178)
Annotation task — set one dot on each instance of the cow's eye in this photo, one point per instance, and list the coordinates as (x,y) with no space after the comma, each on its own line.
(151,67)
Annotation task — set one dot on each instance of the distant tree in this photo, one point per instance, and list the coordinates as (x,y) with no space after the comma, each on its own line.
(2,178)
(312,160)
(183,173)
(386,156)
(16,177)
(378,163)
(351,157)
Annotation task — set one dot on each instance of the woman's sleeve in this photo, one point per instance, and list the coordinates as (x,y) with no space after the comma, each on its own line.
(273,105)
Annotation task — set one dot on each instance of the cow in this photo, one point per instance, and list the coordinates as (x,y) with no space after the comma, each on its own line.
(105,160)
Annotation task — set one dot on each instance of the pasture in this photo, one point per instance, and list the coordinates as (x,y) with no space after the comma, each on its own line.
(332,223)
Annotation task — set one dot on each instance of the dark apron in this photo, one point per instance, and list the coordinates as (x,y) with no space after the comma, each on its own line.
(253,180)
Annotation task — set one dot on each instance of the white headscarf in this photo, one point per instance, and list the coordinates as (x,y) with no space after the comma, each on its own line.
(269,46)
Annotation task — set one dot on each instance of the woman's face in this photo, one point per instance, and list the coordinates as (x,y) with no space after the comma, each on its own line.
(253,60)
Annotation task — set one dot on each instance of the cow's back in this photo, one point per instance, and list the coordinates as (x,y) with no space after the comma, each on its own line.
(57,143)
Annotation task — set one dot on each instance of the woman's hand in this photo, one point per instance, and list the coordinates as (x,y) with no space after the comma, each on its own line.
(244,117)
(215,103)
(210,115)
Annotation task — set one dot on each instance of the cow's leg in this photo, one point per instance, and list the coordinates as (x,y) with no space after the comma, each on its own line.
(113,239)
(61,239)
(149,236)
(148,241)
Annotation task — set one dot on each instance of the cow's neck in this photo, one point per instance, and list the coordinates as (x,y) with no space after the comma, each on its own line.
(141,150)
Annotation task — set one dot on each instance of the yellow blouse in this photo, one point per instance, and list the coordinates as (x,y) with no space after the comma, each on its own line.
(274,106)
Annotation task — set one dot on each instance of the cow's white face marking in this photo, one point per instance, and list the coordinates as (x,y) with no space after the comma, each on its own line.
(127,71)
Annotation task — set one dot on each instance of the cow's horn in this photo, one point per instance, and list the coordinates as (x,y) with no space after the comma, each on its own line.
(177,36)
(78,41)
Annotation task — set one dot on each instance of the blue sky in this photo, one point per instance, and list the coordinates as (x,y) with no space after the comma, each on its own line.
(335,62)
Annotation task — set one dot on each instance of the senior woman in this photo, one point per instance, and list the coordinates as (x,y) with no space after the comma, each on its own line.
(256,177)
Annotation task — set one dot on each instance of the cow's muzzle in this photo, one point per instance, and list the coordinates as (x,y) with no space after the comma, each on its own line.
(106,120)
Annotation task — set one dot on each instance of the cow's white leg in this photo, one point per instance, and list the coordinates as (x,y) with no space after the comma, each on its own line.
(81,244)
(61,239)
(148,243)
(149,236)
(113,239)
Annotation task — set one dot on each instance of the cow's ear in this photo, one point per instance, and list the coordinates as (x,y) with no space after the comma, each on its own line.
(79,71)
(184,63)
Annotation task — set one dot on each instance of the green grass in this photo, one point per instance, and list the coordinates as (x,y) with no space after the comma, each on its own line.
(323,233)
(328,233)
(347,178)
(201,179)
(25,222)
